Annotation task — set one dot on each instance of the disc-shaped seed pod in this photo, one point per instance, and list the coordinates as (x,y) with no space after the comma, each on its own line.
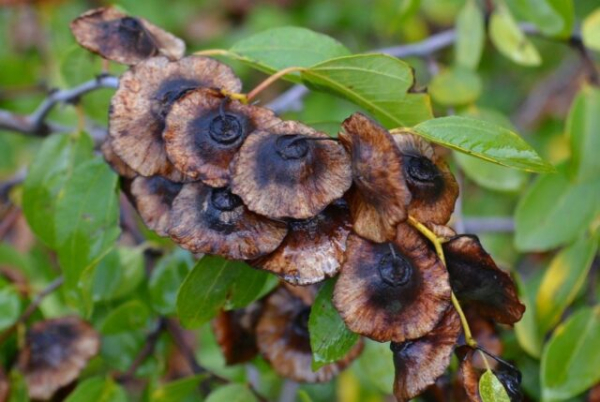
(394,291)
(205,129)
(153,198)
(478,282)
(215,221)
(420,362)
(379,197)
(140,106)
(313,249)
(55,352)
(124,39)
(115,162)
(433,187)
(290,171)
(284,340)
(235,332)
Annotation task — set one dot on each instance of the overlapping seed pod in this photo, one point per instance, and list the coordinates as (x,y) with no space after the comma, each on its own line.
(222,177)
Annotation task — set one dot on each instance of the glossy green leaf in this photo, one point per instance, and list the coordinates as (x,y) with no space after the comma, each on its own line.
(554,212)
(508,38)
(470,35)
(563,279)
(455,87)
(177,391)
(279,48)
(491,389)
(129,316)
(528,335)
(572,356)
(551,17)
(118,274)
(97,389)
(166,278)
(232,393)
(583,126)
(590,30)
(87,218)
(377,364)
(379,83)
(330,339)
(50,170)
(120,350)
(484,140)
(215,283)
(10,304)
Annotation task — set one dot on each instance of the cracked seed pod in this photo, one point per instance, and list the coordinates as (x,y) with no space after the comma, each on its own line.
(215,221)
(391,291)
(290,171)
(284,340)
(313,249)
(153,197)
(124,39)
(140,106)
(420,362)
(235,332)
(379,197)
(205,129)
(116,163)
(469,376)
(478,282)
(433,187)
(55,352)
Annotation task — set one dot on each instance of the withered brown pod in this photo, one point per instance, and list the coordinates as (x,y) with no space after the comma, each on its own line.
(124,39)
(153,198)
(235,332)
(379,197)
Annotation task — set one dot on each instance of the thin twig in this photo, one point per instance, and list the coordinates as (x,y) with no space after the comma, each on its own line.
(495,225)
(147,350)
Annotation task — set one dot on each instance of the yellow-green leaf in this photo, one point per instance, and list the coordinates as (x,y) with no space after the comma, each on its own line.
(508,38)
(491,389)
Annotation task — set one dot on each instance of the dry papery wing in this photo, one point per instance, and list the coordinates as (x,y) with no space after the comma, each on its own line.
(420,362)
(313,249)
(115,162)
(394,291)
(55,352)
(204,131)
(284,340)
(122,38)
(215,221)
(143,100)
(379,196)
(153,198)
(290,171)
(433,187)
(478,282)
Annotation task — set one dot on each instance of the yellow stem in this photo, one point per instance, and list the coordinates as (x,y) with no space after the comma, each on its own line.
(437,243)
(237,96)
(260,87)
(212,52)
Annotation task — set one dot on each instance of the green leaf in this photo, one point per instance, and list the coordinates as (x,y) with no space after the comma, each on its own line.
(78,65)
(526,330)
(279,48)
(572,356)
(330,339)
(590,30)
(87,217)
(583,126)
(129,316)
(118,274)
(377,364)
(470,35)
(491,389)
(554,212)
(97,389)
(177,391)
(18,387)
(562,281)
(379,83)
(510,40)
(232,393)
(455,87)
(215,283)
(303,396)
(551,17)
(53,165)
(165,280)
(484,140)
(10,305)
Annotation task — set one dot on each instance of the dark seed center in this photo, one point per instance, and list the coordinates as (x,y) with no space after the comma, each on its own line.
(131,25)
(293,146)
(394,269)
(225,129)
(223,200)
(421,169)
(170,91)
(300,323)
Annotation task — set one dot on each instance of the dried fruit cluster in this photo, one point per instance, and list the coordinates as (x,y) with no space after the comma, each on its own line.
(219,176)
